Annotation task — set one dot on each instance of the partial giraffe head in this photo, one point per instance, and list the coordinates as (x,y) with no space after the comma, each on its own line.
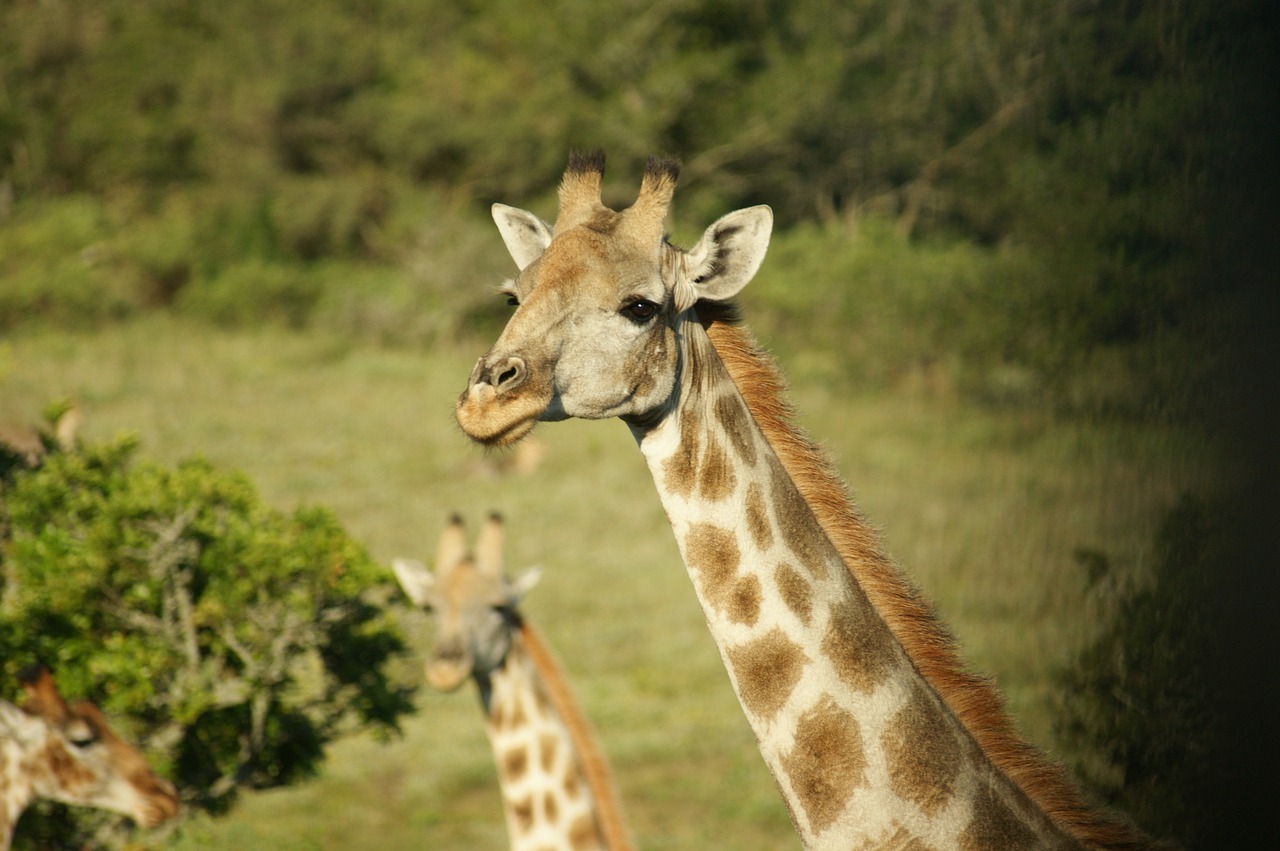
(67,753)
(471,600)
(600,299)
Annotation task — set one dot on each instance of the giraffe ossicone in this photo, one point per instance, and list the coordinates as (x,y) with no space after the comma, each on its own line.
(67,753)
(875,731)
(556,790)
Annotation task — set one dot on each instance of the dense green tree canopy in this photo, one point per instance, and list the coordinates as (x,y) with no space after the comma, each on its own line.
(233,640)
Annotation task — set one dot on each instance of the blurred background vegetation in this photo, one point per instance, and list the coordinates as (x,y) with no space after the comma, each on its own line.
(1040,217)
(1056,169)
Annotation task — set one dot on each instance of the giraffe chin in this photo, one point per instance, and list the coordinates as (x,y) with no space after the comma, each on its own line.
(446,677)
(495,425)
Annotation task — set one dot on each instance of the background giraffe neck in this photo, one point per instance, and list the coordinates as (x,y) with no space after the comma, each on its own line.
(15,789)
(824,639)
(555,785)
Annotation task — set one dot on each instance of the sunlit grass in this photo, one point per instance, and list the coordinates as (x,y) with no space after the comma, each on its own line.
(984,509)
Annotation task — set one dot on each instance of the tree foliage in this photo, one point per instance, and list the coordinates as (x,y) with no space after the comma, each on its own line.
(330,162)
(295,161)
(233,640)
(1146,702)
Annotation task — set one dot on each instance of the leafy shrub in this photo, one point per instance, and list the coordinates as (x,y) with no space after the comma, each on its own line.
(232,640)
(56,266)
(1144,703)
(247,294)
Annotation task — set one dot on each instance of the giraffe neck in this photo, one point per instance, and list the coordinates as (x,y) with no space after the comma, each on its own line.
(555,788)
(863,747)
(16,792)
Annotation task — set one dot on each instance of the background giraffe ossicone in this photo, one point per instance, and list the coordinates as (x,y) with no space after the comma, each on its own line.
(873,728)
(67,753)
(555,784)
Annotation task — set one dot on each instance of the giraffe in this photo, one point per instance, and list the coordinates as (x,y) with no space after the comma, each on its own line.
(556,789)
(68,753)
(875,732)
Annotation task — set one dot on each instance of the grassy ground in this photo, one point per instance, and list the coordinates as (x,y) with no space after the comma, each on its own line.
(985,509)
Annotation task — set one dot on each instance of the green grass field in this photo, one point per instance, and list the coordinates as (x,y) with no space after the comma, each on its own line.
(984,508)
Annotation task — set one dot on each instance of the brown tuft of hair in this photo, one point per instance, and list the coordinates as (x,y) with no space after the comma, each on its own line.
(662,169)
(972,698)
(586,162)
(594,766)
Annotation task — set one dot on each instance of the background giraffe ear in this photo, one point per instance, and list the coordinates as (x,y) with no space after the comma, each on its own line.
(416,580)
(727,257)
(524,583)
(526,235)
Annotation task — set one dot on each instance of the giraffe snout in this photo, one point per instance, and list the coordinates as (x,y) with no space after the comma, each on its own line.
(449,666)
(161,804)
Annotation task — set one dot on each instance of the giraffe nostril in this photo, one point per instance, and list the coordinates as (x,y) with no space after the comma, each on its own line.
(508,375)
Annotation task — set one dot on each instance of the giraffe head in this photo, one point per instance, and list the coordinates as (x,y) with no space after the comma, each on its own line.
(74,757)
(471,600)
(600,301)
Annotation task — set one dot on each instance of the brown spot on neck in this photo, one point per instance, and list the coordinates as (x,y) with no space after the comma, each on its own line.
(743,605)
(797,526)
(795,591)
(827,764)
(550,808)
(547,747)
(522,811)
(860,647)
(679,471)
(923,753)
(716,479)
(758,518)
(515,763)
(712,554)
(995,825)
(766,670)
(736,423)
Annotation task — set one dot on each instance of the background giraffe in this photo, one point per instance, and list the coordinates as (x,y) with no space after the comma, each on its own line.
(68,753)
(555,785)
(873,729)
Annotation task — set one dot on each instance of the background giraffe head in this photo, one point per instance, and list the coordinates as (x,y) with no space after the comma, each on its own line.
(599,301)
(471,600)
(67,753)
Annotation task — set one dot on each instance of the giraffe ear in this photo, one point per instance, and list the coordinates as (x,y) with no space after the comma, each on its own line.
(524,583)
(526,235)
(727,257)
(416,580)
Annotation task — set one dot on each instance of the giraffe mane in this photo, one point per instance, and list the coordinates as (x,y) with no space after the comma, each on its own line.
(927,641)
(594,766)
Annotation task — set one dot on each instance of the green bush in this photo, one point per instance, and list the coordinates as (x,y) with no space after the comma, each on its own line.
(57,266)
(231,148)
(232,640)
(253,292)
(1144,703)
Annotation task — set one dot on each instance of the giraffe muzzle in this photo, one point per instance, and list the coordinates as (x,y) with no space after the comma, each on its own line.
(501,404)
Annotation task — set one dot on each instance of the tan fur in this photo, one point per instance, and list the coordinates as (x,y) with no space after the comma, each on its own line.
(927,642)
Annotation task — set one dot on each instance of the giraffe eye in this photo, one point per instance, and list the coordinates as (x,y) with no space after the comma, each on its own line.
(80,733)
(640,310)
(513,300)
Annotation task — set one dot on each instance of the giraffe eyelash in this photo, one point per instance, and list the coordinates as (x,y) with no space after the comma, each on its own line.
(508,290)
